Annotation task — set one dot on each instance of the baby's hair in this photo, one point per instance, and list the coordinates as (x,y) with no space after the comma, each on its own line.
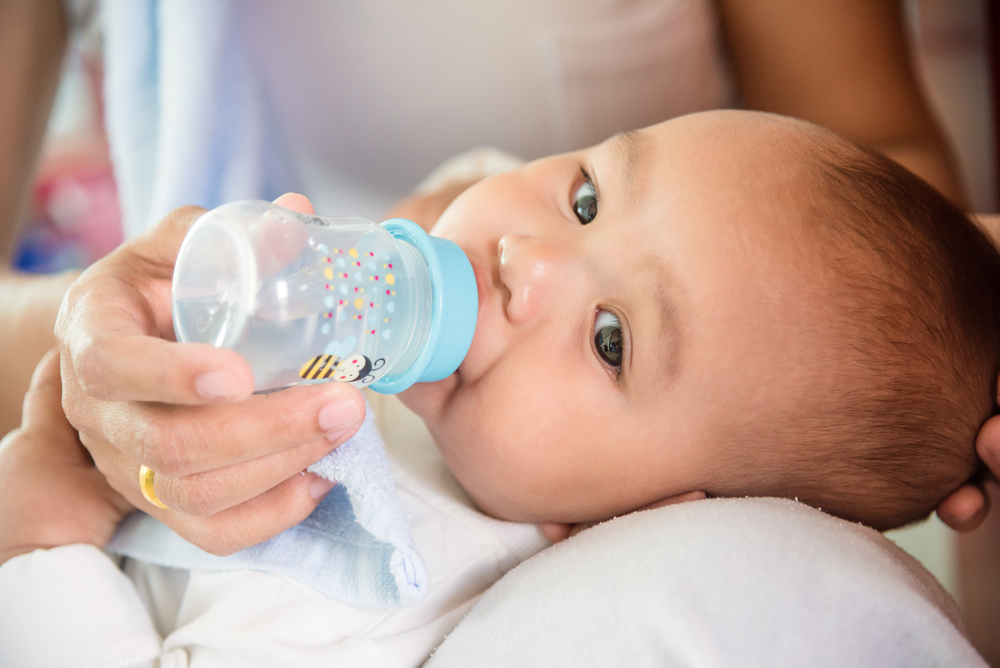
(917,288)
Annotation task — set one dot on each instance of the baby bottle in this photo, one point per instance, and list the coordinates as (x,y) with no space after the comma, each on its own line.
(306,299)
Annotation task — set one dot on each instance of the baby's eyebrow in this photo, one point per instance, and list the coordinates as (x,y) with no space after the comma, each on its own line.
(629,146)
(669,340)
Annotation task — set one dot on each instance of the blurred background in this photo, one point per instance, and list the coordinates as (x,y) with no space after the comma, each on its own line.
(74,217)
(73,198)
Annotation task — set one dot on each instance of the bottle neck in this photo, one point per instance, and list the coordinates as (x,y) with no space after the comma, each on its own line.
(420,303)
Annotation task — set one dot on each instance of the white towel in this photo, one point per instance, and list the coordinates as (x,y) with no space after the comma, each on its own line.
(355,547)
(187,120)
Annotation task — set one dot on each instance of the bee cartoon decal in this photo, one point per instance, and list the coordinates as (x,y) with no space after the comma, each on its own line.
(357,367)
(331,367)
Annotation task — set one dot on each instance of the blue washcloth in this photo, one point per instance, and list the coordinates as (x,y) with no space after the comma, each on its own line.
(355,547)
(187,120)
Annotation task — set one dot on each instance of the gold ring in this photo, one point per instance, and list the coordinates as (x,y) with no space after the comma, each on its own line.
(146,487)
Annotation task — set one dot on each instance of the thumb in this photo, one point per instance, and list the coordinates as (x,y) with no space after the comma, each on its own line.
(296,202)
(965,508)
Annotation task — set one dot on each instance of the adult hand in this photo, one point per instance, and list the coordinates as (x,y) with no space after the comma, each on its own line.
(227,463)
(967,507)
(50,492)
(424,210)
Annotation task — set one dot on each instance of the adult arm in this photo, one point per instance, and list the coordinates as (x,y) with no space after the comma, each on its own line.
(33,37)
(843,64)
(32,42)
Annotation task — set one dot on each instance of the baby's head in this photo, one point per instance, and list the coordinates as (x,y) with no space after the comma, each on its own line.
(731,302)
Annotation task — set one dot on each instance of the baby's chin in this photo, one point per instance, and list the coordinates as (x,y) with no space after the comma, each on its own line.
(428,400)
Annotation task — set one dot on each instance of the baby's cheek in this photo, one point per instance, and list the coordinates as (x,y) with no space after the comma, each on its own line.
(474,449)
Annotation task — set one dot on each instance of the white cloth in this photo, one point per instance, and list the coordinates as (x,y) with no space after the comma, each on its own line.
(353,102)
(766,583)
(71,606)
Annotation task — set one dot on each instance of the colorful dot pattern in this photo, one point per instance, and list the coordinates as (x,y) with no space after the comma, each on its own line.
(349,281)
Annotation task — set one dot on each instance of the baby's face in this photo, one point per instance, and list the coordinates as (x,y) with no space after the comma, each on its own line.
(640,303)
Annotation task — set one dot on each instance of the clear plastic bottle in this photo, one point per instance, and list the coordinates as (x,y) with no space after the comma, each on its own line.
(307,299)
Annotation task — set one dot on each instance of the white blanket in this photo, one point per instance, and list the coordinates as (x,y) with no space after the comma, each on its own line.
(720,582)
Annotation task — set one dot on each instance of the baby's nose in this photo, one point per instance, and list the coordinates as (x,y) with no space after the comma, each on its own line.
(539,275)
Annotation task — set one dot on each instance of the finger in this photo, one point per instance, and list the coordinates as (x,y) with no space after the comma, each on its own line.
(210,492)
(296,202)
(135,367)
(183,440)
(669,501)
(556,532)
(206,494)
(988,445)
(252,522)
(965,508)
(43,401)
(677,498)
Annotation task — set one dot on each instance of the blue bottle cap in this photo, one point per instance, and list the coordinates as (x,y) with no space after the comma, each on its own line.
(455,306)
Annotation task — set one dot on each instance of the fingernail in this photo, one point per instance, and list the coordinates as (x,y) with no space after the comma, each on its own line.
(337,434)
(339,413)
(218,385)
(320,487)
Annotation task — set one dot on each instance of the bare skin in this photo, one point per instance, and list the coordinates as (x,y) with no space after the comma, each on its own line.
(50,492)
(842,64)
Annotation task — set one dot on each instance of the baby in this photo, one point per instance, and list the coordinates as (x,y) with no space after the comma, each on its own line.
(725,304)
(728,302)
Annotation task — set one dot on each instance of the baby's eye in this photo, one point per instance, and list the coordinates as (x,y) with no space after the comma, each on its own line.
(608,338)
(584,200)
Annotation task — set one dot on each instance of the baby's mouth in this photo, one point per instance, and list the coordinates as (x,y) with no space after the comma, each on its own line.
(485,287)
